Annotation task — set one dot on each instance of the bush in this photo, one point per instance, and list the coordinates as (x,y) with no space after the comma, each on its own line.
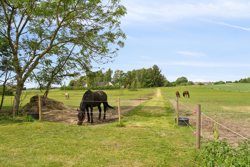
(219,82)
(245,80)
(220,153)
(8,91)
(170,84)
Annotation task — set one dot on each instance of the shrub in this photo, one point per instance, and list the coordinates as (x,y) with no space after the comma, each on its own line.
(220,153)
(219,82)
(8,91)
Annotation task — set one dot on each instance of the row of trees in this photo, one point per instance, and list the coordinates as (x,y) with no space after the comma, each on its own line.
(49,40)
(244,80)
(141,78)
(92,79)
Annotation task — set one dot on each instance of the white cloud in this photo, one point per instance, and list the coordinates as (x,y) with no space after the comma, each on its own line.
(230,25)
(209,64)
(161,10)
(191,54)
(198,64)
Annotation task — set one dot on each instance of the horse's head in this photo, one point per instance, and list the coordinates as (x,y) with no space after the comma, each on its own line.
(81,114)
(80,118)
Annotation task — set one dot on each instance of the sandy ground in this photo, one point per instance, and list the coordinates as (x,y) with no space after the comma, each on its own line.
(208,126)
(69,116)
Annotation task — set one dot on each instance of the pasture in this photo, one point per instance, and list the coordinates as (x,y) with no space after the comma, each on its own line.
(148,137)
(228,104)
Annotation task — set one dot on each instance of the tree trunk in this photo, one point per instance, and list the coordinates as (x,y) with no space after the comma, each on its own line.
(45,95)
(47,90)
(3,94)
(18,94)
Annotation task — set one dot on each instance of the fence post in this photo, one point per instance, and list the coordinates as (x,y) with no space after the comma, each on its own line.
(13,111)
(39,108)
(119,110)
(198,127)
(177,111)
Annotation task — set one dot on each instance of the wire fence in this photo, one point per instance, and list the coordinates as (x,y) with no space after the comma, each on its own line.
(233,132)
(212,126)
(50,110)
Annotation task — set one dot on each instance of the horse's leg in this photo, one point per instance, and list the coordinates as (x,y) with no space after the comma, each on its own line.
(87,109)
(83,115)
(91,114)
(105,108)
(100,111)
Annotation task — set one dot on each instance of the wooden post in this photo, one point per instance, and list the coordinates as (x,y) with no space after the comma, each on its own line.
(177,111)
(39,108)
(119,110)
(198,127)
(13,112)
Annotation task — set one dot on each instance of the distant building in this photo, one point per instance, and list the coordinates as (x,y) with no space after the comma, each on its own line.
(85,85)
(99,84)
(103,84)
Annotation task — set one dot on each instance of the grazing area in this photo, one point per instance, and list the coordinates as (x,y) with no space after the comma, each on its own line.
(147,136)
(228,104)
(111,83)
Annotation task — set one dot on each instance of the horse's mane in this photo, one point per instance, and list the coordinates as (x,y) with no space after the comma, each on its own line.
(87,95)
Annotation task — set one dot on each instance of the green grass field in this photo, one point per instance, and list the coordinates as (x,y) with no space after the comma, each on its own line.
(216,99)
(76,96)
(229,107)
(233,87)
(148,137)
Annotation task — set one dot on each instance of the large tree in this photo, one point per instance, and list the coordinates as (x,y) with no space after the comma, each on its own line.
(35,29)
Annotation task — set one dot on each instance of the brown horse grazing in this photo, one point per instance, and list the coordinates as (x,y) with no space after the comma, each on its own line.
(177,93)
(186,94)
(89,100)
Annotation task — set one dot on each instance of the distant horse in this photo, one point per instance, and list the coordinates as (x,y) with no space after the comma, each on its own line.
(177,93)
(89,100)
(66,95)
(186,94)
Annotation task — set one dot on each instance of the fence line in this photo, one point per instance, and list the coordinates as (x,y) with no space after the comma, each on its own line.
(198,127)
(225,126)
(192,129)
(200,121)
(186,107)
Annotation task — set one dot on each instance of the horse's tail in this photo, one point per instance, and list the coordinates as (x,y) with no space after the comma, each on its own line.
(107,105)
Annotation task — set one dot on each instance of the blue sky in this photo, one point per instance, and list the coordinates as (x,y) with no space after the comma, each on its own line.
(204,40)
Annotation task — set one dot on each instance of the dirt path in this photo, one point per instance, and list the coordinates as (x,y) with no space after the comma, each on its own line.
(69,116)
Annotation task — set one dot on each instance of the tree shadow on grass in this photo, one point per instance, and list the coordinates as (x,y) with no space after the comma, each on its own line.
(7,118)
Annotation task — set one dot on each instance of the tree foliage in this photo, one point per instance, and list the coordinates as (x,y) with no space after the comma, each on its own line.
(244,80)
(93,79)
(50,72)
(141,78)
(181,81)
